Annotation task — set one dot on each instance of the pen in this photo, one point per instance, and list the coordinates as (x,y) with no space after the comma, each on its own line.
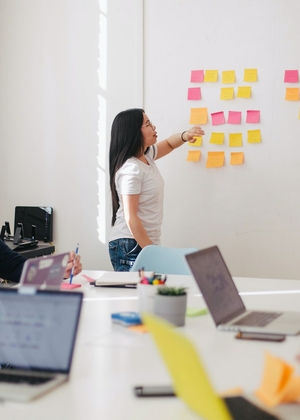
(72,269)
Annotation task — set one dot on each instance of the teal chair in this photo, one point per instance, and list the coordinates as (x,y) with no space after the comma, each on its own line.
(163,260)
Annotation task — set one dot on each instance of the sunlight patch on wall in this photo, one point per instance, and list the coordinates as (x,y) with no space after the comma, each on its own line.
(102,108)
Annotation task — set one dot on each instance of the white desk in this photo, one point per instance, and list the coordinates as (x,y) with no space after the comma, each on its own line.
(109,360)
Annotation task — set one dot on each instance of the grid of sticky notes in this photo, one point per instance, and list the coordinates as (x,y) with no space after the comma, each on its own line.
(199,115)
(292,91)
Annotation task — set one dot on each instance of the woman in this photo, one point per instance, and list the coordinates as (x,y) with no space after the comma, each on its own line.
(136,184)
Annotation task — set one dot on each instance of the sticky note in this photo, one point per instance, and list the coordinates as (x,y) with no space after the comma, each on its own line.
(198,116)
(234,117)
(228,76)
(254,136)
(292,94)
(250,75)
(198,141)
(211,76)
(291,76)
(197,76)
(236,158)
(194,94)
(193,155)
(196,312)
(215,159)
(218,118)
(253,116)
(217,138)
(235,139)
(227,93)
(244,92)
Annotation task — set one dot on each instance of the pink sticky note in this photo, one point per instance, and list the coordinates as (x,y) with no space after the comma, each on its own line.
(291,76)
(197,76)
(253,117)
(218,118)
(194,94)
(68,286)
(234,117)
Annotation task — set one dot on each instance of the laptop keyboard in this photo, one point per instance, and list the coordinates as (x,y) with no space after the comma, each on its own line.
(241,408)
(258,319)
(16,379)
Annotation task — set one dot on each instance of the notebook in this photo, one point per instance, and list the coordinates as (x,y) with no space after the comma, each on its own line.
(38,332)
(45,271)
(190,380)
(224,302)
(126,279)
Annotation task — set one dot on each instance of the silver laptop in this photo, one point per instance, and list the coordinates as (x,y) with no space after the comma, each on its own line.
(38,332)
(224,302)
(45,271)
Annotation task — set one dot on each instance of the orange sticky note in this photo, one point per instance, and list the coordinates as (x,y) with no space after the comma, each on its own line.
(193,155)
(244,92)
(215,159)
(138,328)
(292,94)
(235,139)
(236,158)
(198,116)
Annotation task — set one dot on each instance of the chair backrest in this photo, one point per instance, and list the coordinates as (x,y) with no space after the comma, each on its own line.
(163,260)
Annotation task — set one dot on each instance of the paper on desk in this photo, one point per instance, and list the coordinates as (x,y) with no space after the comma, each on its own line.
(278,383)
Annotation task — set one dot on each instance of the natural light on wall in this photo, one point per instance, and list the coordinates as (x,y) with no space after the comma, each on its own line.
(102,107)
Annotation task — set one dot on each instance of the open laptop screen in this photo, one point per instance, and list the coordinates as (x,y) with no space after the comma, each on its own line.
(38,328)
(216,284)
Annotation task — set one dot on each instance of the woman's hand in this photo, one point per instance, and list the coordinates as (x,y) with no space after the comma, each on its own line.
(77,265)
(192,133)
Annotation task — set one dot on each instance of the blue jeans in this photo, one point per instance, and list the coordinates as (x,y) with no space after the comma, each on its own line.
(123,253)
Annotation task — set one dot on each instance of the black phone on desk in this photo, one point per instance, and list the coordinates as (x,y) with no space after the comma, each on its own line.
(154,391)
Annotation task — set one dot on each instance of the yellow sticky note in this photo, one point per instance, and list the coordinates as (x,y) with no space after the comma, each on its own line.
(228,76)
(227,93)
(217,138)
(292,94)
(235,139)
(236,158)
(250,75)
(198,142)
(211,76)
(254,136)
(198,116)
(215,159)
(244,92)
(193,155)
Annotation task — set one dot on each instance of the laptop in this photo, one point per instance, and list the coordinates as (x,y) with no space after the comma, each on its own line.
(123,279)
(225,304)
(43,272)
(190,380)
(38,332)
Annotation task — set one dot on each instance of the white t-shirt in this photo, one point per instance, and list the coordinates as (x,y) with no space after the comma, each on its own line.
(135,177)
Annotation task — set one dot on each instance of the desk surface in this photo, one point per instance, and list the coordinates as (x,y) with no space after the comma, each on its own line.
(109,360)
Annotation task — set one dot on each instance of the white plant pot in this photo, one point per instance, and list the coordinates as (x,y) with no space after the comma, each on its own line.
(171,308)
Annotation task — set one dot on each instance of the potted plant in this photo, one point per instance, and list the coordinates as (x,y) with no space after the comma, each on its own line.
(170,304)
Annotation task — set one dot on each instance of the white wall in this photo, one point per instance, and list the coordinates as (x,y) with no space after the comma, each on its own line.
(251,211)
(67,67)
(58,98)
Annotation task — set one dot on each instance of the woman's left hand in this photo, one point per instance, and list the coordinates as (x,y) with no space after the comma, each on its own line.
(192,133)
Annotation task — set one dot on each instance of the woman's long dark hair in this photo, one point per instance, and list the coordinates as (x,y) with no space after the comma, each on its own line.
(126,142)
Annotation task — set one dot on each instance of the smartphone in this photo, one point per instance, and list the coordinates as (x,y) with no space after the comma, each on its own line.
(245,335)
(154,391)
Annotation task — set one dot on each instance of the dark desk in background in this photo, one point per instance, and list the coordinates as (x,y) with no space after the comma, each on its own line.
(41,249)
